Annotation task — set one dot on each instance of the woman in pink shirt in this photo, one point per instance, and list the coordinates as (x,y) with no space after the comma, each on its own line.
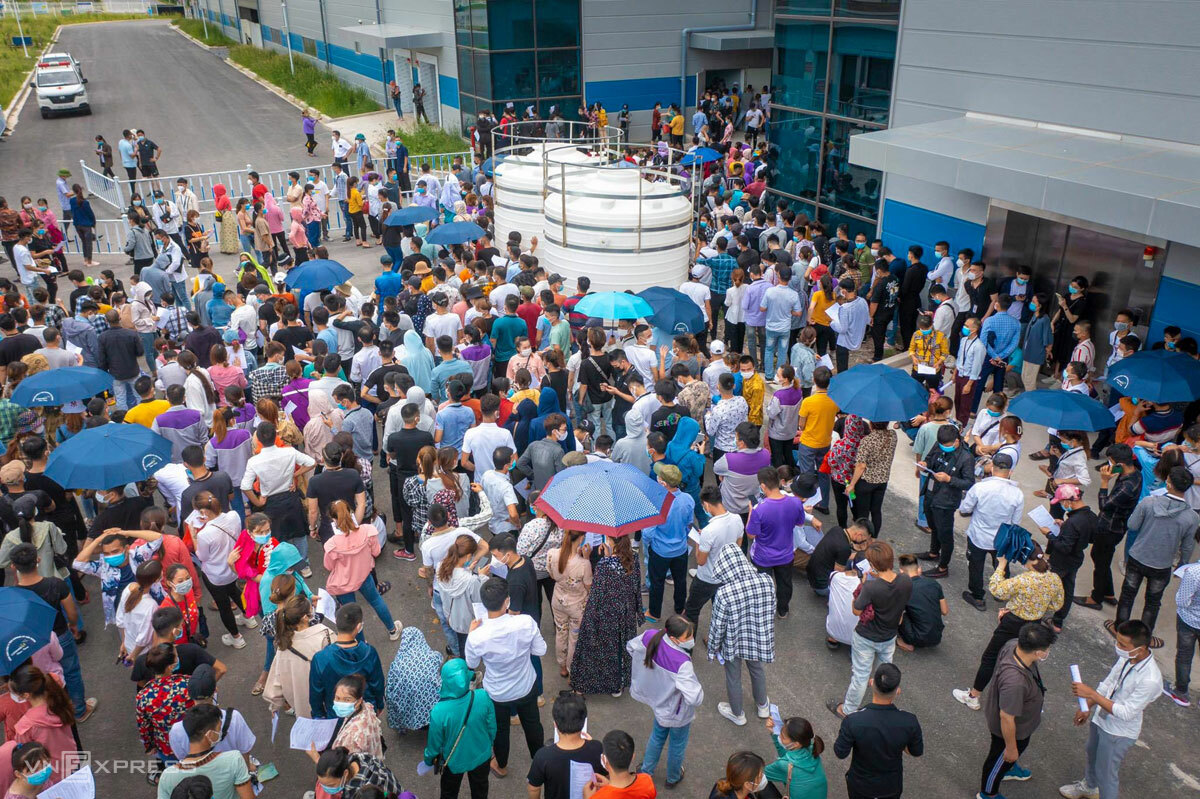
(50,719)
(222,374)
(350,558)
(297,235)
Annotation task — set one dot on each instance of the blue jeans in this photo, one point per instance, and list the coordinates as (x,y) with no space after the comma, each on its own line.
(921,520)
(345,206)
(239,503)
(270,652)
(370,593)
(247,242)
(776,353)
(124,394)
(447,630)
(863,654)
(181,294)
(601,417)
(301,544)
(148,351)
(397,106)
(312,231)
(808,459)
(659,735)
(72,673)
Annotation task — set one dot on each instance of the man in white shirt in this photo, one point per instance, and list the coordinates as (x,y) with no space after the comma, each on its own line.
(642,356)
(442,322)
(497,485)
(991,503)
(840,620)
(170,260)
(441,538)
(943,270)
(244,317)
(723,528)
(270,481)
(1120,701)
(481,442)
(321,198)
(341,148)
(166,216)
(185,198)
(945,311)
(27,269)
(505,643)
(700,293)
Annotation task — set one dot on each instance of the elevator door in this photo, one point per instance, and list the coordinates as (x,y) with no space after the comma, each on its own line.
(1057,252)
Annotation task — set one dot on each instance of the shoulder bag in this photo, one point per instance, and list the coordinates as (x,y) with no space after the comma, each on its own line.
(438,763)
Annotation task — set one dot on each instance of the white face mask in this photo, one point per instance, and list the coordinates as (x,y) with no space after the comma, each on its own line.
(761,785)
(560,435)
(688,645)
(1123,654)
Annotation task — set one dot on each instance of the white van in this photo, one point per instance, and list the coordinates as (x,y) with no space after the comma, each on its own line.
(60,87)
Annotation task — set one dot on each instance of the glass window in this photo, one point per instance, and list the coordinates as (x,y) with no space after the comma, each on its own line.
(557,23)
(801,54)
(512,75)
(567,106)
(483,74)
(831,219)
(844,185)
(462,22)
(510,24)
(558,72)
(803,7)
(466,76)
(868,9)
(798,137)
(863,59)
(310,46)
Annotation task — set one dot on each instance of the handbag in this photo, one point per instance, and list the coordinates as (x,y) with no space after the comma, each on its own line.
(437,761)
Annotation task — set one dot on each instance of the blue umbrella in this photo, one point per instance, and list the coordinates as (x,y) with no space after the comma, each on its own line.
(1064,410)
(410,215)
(701,155)
(613,305)
(488,167)
(319,275)
(879,393)
(672,310)
(108,456)
(1155,375)
(60,386)
(26,624)
(455,233)
(605,497)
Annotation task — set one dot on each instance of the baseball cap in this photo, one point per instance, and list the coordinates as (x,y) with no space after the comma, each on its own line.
(716,347)
(668,473)
(586,425)
(1069,493)
(698,271)
(203,682)
(574,459)
(280,278)
(12,473)
(554,278)
(440,298)
(1002,460)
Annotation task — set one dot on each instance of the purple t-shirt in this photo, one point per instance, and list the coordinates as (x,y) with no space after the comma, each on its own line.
(771,525)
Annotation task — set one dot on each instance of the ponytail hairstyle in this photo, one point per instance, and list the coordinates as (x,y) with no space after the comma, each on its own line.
(222,421)
(675,627)
(741,769)
(294,370)
(343,519)
(800,731)
(334,763)
(235,396)
(283,586)
(187,360)
(789,374)
(34,683)
(197,786)
(1038,560)
(288,617)
(268,411)
(345,440)
(149,573)
(623,551)
(447,460)
(205,500)
(463,546)
(27,755)
(426,461)
(570,543)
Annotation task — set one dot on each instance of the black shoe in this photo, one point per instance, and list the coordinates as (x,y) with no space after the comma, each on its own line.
(929,556)
(978,604)
(682,774)
(819,509)
(936,572)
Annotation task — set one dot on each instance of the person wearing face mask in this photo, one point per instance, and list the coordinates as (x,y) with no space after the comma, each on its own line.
(348,654)
(226,769)
(744,776)
(358,728)
(159,704)
(32,770)
(1038,340)
(664,679)
(1119,701)
(235,733)
(1116,502)
(1170,339)
(1065,548)
(1013,703)
(345,775)
(113,558)
(1068,310)
(991,503)
(350,554)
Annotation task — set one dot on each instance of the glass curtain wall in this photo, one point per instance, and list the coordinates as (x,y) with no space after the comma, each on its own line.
(832,79)
(524,52)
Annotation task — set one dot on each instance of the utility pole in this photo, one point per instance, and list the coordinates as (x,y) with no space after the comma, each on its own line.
(287,32)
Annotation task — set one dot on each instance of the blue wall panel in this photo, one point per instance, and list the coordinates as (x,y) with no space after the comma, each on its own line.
(905,225)
(1176,304)
(640,94)
(448,91)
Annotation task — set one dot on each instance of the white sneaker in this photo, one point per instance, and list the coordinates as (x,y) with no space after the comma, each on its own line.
(964,696)
(242,621)
(251,623)
(306,572)
(725,710)
(764,711)
(1079,790)
(394,635)
(235,641)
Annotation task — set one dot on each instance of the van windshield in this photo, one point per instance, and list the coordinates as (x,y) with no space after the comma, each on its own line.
(57,78)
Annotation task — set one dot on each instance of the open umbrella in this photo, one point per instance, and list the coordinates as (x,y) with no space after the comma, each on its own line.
(672,310)
(1064,410)
(879,393)
(60,386)
(613,305)
(455,233)
(26,624)
(108,456)
(701,155)
(605,497)
(319,275)
(410,215)
(1155,375)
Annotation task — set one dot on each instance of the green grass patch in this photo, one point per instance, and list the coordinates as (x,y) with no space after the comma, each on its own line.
(311,84)
(13,63)
(428,139)
(195,28)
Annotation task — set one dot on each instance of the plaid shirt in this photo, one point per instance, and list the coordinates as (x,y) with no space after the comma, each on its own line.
(1000,333)
(722,267)
(55,316)
(98,323)
(929,349)
(1116,504)
(268,381)
(371,771)
(743,611)
(174,323)
(9,413)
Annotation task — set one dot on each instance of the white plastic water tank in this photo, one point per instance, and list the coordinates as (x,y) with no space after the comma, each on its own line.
(518,179)
(616,227)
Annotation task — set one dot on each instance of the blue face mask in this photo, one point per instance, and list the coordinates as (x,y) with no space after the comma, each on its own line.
(1021,281)
(333,791)
(114,560)
(343,709)
(858,245)
(966,331)
(926,332)
(993,414)
(262,539)
(40,776)
(1072,290)
(703,224)
(947,447)
(1033,306)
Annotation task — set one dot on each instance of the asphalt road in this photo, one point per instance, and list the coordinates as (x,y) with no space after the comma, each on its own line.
(205,115)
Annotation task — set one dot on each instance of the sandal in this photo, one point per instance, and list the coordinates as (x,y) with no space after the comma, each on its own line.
(1040,493)
(835,707)
(1111,627)
(1088,602)
(1156,642)
(383,587)
(258,687)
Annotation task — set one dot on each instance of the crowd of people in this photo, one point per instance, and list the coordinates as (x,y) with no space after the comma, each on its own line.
(465,382)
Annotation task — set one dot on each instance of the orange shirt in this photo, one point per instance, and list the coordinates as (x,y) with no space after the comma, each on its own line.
(641,788)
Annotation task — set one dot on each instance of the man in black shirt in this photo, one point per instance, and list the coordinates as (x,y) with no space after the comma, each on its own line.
(57,594)
(909,304)
(618,389)
(291,333)
(550,772)
(522,582)
(374,385)
(878,735)
(14,346)
(409,265)
(201,340)
(836,546)
(335,482)
(167,624)
(666,418)
(201,478)
(884,292)
(117,510)
(401,454)
(120,349)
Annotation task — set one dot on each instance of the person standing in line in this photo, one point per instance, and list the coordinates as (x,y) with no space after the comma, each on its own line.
(991,503)
(667,544)
(1066,548)
(742,629)
(571,570)
(771,526)
(1116,503)
(1187,631)
(461,716)
(664,679)
(1013,703)
(1120,700)
(849,319)
(817,415)
(952,472)
(878,737)
(723,528)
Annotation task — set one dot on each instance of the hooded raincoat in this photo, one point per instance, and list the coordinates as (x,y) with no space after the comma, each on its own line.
(689,461)
(743,611)
(418,360)
(413,682)
(450,716)
(632,447)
